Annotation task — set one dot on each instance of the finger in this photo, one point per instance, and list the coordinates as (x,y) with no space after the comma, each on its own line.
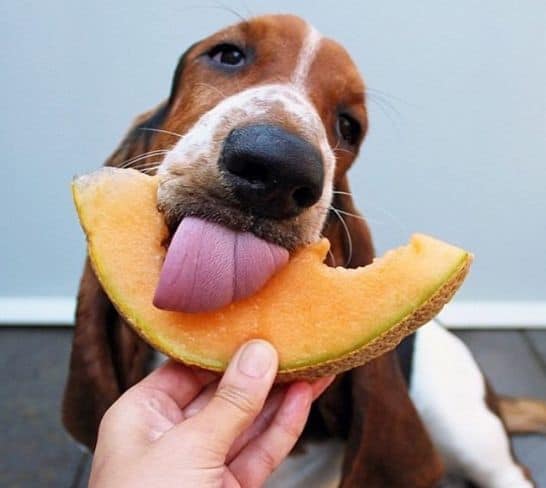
(320,385)
(262,455)
(179,382)
(272,404)
(263,420)
(239,397)
(154,405)
(200,401)
(260,424)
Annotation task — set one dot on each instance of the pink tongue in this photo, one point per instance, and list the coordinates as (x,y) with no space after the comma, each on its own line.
(208,266)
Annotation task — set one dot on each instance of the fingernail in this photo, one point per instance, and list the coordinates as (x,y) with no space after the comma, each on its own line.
(256,359)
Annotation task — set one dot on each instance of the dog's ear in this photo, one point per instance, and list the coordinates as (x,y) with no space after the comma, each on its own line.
(388,444)
(347,231)
(107,356)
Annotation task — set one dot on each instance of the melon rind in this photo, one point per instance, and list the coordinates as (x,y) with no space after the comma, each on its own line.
(387,340)
(384,339)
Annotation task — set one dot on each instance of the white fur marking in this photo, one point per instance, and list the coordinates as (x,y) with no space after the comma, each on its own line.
(448,390)
(306,57)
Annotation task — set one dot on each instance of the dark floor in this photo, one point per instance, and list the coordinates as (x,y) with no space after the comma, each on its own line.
(35,452)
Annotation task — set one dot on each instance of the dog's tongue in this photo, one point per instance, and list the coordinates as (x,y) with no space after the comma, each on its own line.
(208,266)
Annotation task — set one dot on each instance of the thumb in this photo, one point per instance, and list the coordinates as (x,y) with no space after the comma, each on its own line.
(240,395)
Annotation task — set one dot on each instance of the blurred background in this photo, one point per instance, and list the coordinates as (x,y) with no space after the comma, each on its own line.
(456,146)
(456,149)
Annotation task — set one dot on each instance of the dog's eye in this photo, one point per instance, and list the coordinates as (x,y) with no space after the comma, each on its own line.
(348,128)
(227,54)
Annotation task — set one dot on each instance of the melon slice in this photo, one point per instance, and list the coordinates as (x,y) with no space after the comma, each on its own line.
(322,320)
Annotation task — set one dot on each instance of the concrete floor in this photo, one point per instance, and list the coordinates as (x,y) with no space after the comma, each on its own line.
(35,451)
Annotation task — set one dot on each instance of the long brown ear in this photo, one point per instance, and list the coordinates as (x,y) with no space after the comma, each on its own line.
(107,356)
(387,443)
(370,406)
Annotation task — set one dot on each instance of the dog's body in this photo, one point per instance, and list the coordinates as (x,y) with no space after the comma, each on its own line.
(276,79)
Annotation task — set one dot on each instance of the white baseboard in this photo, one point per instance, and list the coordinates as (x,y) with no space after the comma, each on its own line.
(493,314)
(37,311)
(52,311)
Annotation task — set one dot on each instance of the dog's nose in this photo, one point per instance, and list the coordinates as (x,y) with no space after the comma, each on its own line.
(272,171)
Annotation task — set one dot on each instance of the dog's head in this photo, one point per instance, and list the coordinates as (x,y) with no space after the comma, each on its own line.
(263,120)
(262,123)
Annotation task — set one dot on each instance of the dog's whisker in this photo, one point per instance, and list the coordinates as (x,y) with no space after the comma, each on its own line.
(349,214)
(344,212)
(153,164)
(162,131)
(133,159)
(150,169)
(388,214)
(341,149)
(385,102)
(231,10)
(366,219)
(349,238)
(383,106)
(139,162)
(385,95)
(145,164)
(130,162)
(249,10)
(337,192)
(220,6)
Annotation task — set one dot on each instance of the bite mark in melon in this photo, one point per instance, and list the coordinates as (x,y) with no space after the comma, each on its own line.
(321,320)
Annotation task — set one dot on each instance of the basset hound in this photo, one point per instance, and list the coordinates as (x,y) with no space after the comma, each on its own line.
(262,123)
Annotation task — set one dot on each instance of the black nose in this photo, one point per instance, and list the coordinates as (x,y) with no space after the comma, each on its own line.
(272,172)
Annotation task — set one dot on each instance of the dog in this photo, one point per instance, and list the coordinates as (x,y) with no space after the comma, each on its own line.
(291,105)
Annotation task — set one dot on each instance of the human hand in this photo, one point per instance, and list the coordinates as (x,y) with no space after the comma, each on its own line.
(181,427)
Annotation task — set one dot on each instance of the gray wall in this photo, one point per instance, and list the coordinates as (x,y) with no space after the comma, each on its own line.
(457,144)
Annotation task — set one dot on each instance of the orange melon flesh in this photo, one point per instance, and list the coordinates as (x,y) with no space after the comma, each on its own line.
(322,320)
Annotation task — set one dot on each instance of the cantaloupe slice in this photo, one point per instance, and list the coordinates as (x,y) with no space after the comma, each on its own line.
(322,320)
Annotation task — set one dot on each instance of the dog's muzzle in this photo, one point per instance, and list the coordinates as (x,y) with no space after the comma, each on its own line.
(249,182)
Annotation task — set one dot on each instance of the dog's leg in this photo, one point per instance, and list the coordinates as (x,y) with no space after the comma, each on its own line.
(450,393)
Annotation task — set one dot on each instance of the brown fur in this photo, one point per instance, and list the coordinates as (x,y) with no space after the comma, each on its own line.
(370,406)
(202,89)
(390,440)
(341,87)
